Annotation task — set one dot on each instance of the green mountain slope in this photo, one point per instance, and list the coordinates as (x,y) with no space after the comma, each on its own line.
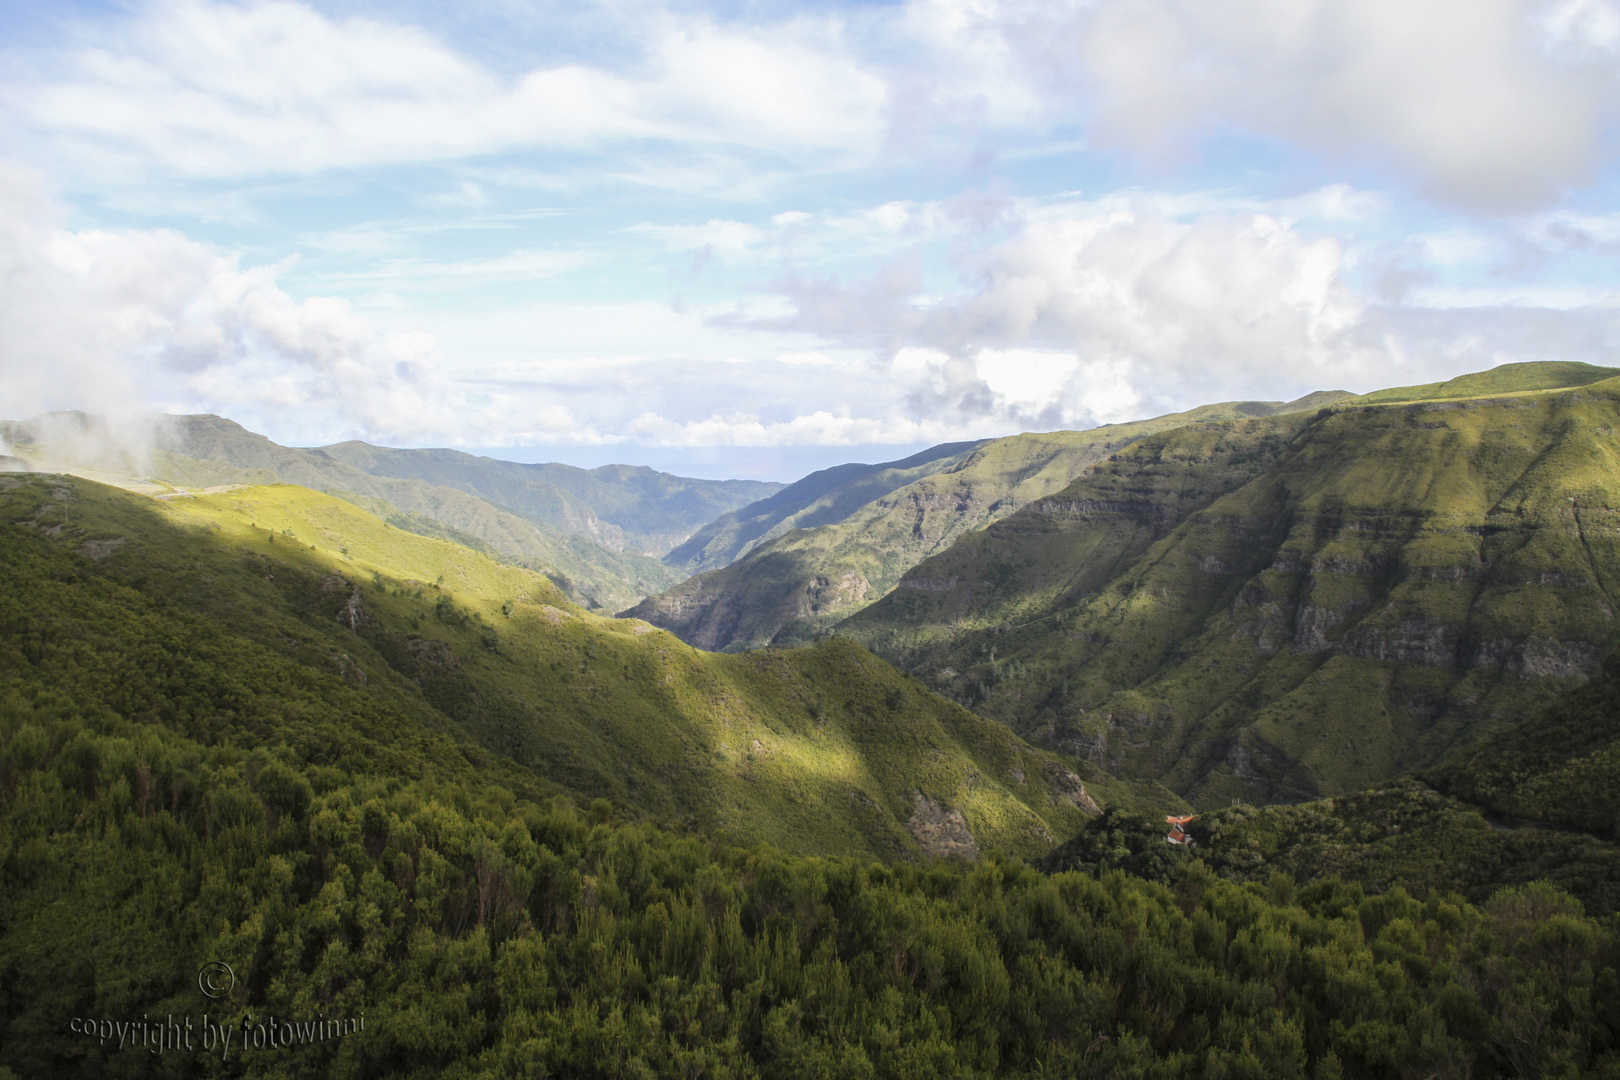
(791,587)
(827,750)
(209,451)
(1535,802)
(822,498)
(1284,608)
(1504,379)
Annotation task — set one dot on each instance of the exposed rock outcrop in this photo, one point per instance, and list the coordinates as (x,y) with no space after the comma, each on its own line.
(941,832)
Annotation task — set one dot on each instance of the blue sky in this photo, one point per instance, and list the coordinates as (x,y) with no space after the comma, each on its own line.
(754,239)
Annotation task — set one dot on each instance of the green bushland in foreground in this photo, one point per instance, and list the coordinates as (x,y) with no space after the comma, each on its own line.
(485,933)
(1562,768)
(1405,834)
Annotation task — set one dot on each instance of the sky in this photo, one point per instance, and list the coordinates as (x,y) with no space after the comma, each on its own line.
(753,239)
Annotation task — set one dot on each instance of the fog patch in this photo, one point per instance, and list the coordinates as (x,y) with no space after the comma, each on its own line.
(72,441)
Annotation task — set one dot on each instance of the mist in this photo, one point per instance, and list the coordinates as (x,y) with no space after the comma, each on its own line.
(119,445)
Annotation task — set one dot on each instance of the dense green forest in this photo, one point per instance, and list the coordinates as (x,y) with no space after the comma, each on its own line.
(388,782)
(356,872)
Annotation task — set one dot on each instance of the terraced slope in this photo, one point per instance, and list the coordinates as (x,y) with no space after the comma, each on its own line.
(825,750)
(1291,607)
(801,582)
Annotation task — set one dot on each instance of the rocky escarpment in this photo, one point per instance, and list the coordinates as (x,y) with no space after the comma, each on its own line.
(1287,608)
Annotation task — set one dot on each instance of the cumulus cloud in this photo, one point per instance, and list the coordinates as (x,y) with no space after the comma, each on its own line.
(1226,298)
(1492,104)
(1094,313)
(116,322)
(820,428)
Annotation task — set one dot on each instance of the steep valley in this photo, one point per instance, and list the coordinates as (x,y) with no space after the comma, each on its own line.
(822,550)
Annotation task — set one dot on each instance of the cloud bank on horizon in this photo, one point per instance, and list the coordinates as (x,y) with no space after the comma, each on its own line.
(671,225)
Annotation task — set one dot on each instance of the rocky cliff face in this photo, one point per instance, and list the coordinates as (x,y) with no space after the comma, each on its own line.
(1287,607)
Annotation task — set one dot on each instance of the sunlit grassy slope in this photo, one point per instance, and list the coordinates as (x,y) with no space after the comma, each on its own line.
(820,750)
(560,539)
(817,554)
(1292,606)
(1505,379)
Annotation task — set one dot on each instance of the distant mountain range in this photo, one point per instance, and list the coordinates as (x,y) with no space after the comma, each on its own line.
(597,532)
(1257,601)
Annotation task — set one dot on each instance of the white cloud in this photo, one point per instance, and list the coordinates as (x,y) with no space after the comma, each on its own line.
(1495,104)
(1025,377)
(1088,312)
(729,237)
(1225,296)
(521,265)
(115,321)
(1097,312)
(215,90)
(810,429)
(1454,91)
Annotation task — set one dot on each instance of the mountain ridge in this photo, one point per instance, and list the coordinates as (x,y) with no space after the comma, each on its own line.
(557,535)
(790,587)
(1225,596)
